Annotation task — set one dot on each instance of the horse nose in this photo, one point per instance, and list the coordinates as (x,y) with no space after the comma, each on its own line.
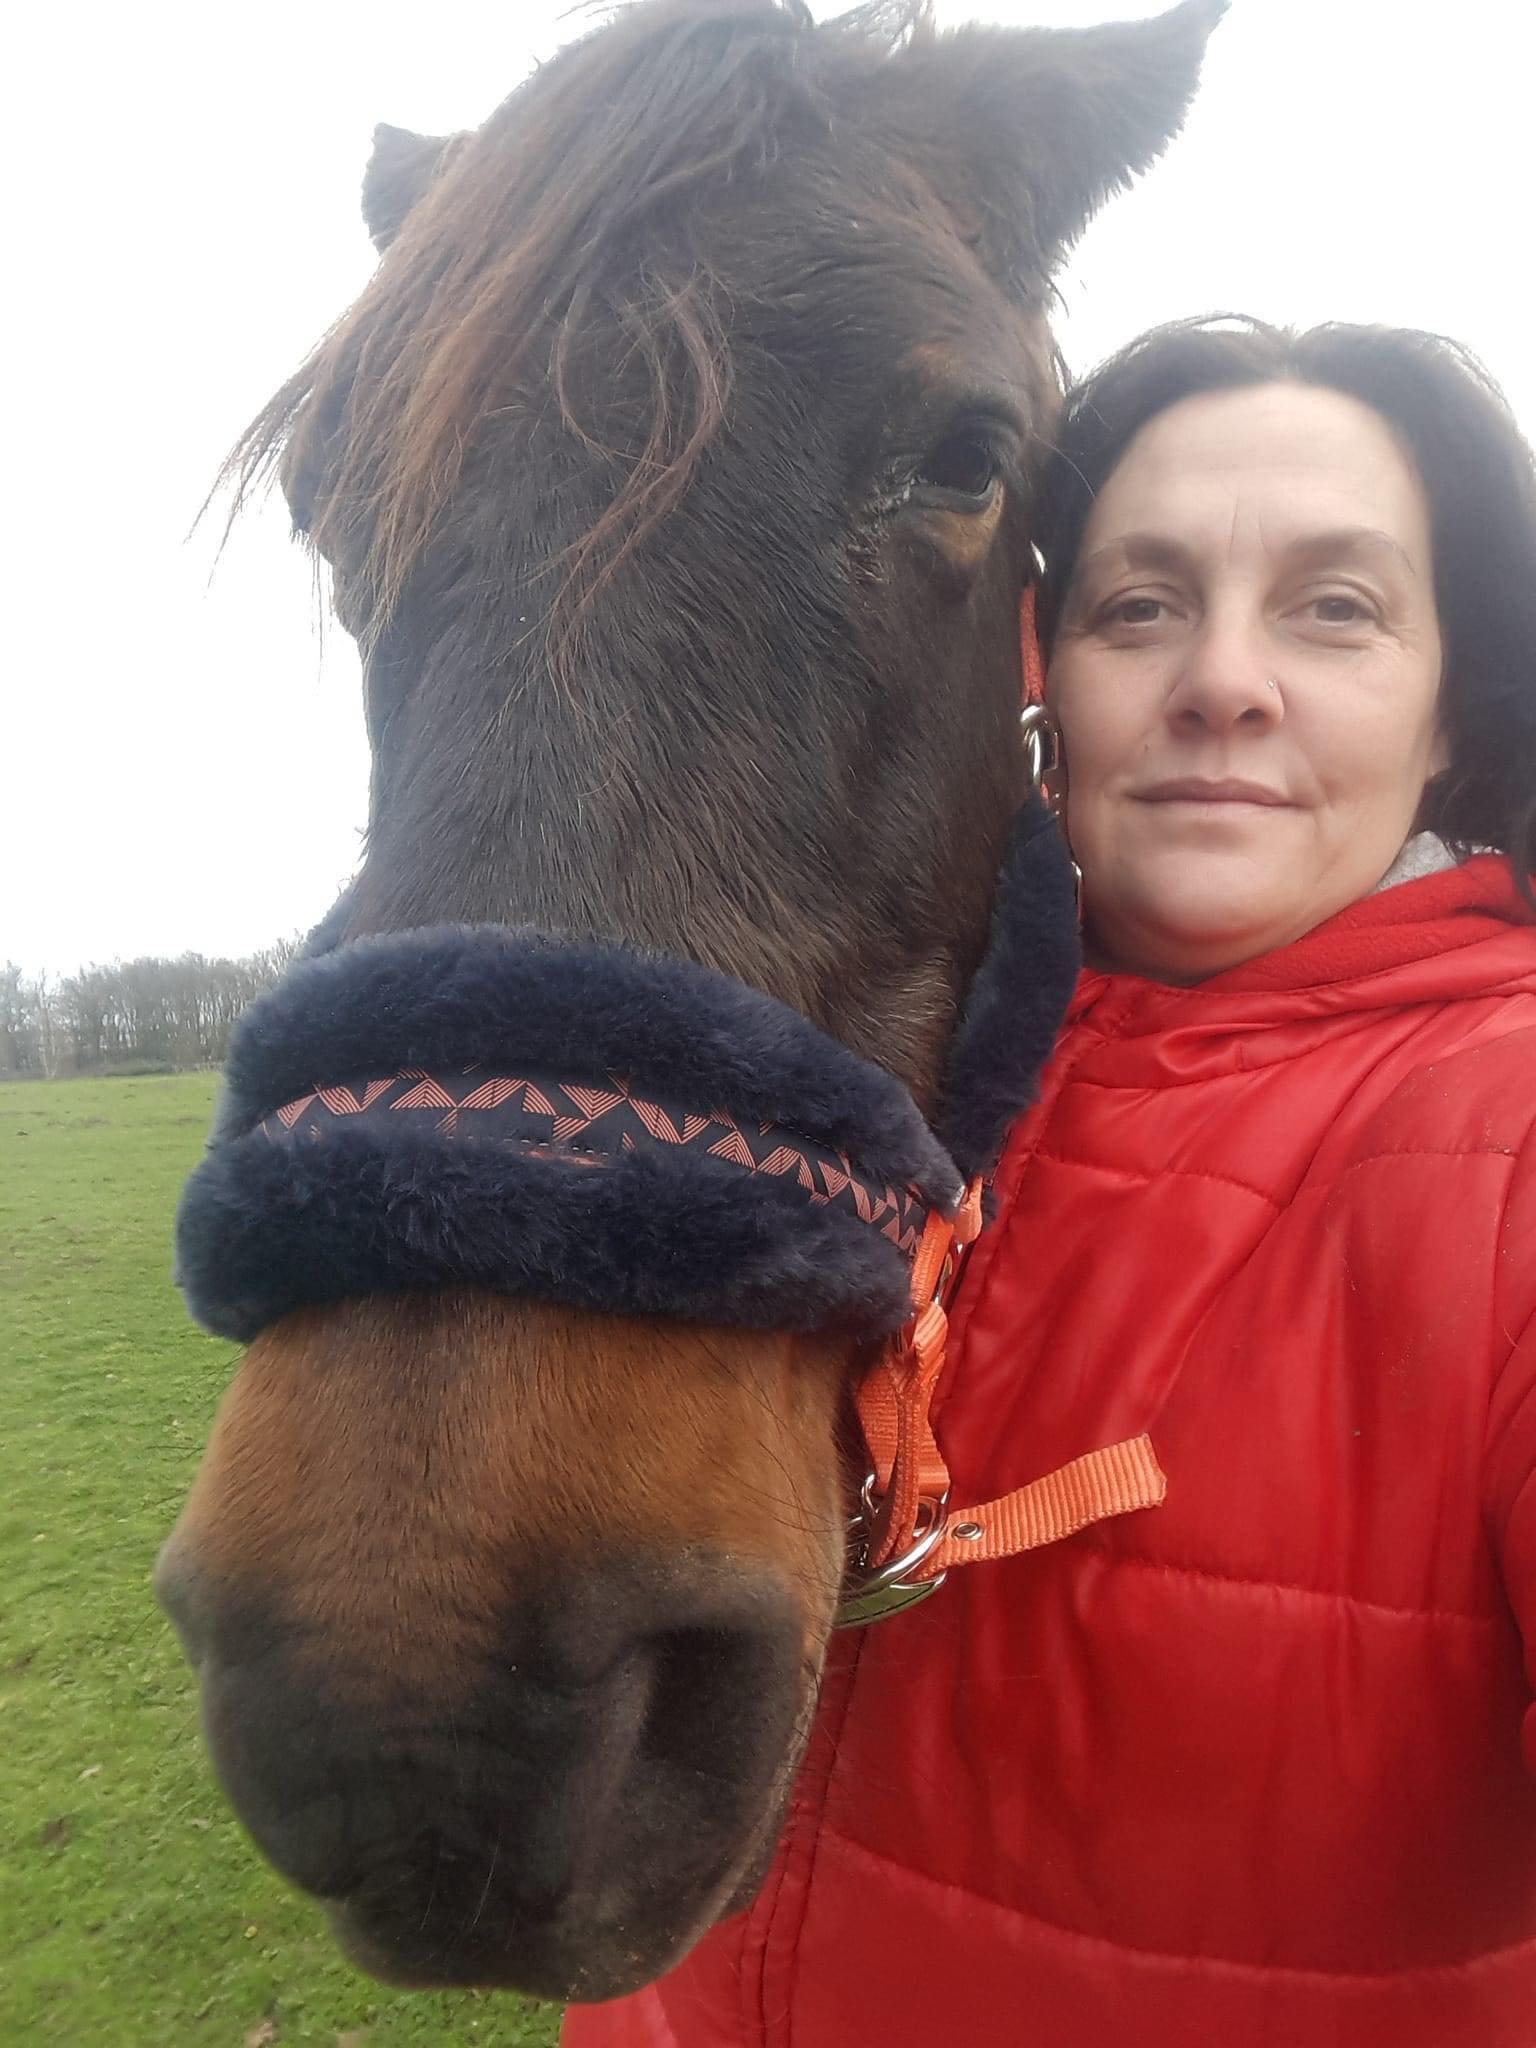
(621,1720)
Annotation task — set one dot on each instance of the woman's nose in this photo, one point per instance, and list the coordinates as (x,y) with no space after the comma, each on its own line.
(1226,683)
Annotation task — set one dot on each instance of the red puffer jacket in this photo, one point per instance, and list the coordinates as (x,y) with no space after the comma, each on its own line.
(1245,1770)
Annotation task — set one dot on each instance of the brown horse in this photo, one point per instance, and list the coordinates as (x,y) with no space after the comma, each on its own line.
(674,476)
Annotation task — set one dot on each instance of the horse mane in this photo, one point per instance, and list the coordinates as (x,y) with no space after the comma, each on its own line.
(517,269)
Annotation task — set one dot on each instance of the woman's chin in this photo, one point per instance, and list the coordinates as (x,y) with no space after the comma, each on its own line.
(1188,935)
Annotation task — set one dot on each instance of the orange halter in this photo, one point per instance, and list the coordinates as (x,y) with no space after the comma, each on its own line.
(906,1536)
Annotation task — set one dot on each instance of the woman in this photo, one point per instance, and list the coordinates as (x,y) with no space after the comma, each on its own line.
(1246,1769)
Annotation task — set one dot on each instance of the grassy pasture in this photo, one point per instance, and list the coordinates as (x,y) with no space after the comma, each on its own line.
(133,1914)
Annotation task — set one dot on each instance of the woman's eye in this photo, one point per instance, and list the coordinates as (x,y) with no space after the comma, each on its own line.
(1133,611)
(962,466)
(1339,609)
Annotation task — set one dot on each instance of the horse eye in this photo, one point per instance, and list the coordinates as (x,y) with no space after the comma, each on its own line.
(962,465)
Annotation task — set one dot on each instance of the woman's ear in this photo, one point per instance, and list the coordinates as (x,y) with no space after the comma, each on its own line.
(1439,787)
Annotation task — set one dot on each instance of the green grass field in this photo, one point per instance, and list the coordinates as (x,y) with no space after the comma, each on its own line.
(133,1913)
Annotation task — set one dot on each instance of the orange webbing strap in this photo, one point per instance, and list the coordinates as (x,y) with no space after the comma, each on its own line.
(893,1401)
(1113,1481)
(1029,649)
(896,1393)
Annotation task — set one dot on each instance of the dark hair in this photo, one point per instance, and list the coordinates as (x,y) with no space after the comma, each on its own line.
(1480,479)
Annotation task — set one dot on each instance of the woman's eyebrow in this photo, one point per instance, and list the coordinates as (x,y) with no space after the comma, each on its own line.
(1143,551)
(1343,543)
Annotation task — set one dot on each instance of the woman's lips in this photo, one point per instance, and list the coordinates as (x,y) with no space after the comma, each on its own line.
(1190,790)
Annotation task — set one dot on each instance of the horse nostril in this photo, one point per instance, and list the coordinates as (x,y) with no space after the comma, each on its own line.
(708,1687)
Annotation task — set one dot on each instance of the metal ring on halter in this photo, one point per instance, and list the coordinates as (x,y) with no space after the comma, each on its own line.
(1043,757)
(1042,744)
(871,1596)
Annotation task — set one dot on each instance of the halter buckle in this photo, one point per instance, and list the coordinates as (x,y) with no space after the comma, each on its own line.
(875,1595)
(1043,759)
(1042,745)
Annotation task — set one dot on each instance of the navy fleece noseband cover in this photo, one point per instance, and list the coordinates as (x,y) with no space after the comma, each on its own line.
(292,1206)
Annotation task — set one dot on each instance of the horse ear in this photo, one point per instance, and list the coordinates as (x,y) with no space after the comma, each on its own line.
(399,171)
(1059,119)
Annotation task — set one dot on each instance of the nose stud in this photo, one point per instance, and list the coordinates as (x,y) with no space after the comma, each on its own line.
(1271,684)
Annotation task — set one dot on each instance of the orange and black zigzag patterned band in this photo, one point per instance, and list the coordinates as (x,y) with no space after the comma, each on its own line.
(592,1123)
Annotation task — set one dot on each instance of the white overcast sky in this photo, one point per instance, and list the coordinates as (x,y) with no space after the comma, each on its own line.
(182,766)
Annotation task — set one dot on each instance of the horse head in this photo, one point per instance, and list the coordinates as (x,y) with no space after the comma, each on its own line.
(674,477)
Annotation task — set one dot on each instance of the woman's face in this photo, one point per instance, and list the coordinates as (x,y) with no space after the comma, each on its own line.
(1247,677)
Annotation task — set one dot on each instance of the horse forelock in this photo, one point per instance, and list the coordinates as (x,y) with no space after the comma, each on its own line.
(521,260)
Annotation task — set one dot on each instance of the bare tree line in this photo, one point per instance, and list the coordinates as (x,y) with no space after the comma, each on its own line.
(143,1015)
